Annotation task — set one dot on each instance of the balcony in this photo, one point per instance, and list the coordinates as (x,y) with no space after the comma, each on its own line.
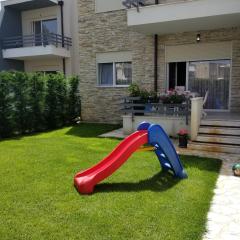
(149,18)
(24,5)
(36,46)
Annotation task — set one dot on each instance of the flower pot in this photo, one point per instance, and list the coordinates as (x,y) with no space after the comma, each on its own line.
(183,141)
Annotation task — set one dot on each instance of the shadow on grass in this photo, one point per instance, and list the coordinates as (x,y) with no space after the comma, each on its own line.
(163,180)
(160,182)
(202,163)
(91,130)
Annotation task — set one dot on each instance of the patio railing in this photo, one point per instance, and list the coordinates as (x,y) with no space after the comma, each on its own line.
(139,3)
(133,106)
(42,39)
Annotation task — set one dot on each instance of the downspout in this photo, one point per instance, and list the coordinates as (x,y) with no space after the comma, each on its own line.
(156,58)
(61,3)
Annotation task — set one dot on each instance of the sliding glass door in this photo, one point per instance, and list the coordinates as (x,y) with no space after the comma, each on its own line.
(212,77)
(43,29)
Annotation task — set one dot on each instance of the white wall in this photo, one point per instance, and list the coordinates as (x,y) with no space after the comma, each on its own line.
(200,51)
(170,124)
(54,64)
(71,29)
(108,5)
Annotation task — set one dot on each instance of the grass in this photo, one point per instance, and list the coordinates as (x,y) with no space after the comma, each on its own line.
(38,200)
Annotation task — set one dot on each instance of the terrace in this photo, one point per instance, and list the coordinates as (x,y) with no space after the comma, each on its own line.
(155,17)
(43,39)
(36,45)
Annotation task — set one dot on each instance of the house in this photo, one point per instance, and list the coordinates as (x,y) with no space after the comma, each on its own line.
(39,35)
(160,45)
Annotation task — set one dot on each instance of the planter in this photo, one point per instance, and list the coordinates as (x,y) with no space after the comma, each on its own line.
(183,141)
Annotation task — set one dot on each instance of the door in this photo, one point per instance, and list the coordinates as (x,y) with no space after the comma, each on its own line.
(177,75)
(214,77)
(43,31)
(37,33)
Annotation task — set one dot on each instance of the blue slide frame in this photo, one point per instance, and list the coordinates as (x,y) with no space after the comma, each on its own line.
(164,149)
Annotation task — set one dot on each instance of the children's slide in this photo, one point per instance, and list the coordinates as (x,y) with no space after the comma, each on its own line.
(146,134)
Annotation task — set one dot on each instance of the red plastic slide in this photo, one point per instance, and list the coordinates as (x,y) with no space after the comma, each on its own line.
(85,181)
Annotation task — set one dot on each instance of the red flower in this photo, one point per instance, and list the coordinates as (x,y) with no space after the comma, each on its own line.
(183,132)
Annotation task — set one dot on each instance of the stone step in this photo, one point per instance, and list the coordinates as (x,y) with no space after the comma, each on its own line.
(220,148)
(233,140)
(221,123)
(219,130)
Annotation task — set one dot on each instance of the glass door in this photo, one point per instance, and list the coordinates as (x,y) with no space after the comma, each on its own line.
(37,33)
(214,77)
(43,30)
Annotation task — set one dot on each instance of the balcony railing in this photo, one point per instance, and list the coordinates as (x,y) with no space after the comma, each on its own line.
(139,3)
(133,106)
(43,39)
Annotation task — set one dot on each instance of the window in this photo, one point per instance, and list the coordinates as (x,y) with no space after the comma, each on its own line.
(42,29)
(45,26)
(123,73)
(115,74)
(106,74)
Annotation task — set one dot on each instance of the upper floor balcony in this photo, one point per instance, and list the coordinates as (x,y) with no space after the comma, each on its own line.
(24,5)
(148,17)
(36,45)
(33,29)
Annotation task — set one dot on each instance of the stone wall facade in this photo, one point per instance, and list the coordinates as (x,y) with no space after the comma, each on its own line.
(108,32)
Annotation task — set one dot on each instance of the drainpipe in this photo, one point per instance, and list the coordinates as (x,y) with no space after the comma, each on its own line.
(156,58)
(61,3)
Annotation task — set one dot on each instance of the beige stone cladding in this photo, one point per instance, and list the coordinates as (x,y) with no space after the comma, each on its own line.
(108,32)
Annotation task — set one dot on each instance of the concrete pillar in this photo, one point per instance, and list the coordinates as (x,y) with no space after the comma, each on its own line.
(127,124)
(196,115)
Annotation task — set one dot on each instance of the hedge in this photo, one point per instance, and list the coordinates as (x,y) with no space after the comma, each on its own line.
(33,102)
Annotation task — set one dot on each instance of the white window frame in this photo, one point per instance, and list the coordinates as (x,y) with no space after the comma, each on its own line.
(113,58)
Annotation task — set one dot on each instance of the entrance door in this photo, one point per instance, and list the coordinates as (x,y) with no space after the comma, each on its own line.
(201,77)
(214,77)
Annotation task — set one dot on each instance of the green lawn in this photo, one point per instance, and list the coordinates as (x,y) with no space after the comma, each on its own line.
(38,200)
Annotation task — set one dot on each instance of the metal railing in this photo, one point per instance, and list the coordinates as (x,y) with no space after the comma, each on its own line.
(138,3)
(133,106)
(43,39)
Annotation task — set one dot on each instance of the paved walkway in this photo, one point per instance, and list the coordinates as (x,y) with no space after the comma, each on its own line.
(224,215)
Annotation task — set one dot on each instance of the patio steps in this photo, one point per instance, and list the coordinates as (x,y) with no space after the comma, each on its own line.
(218,136)
(219,148)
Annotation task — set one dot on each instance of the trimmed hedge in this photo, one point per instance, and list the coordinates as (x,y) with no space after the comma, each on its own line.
(33,102)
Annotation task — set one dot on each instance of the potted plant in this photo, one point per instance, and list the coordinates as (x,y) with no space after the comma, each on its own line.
(183,138)
(135,91)
(172,97)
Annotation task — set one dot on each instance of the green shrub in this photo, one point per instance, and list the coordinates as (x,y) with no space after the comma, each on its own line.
(74,101)
(55,104)
(35,102)
(134,90)
(22,114)
(37,92)
(6,104)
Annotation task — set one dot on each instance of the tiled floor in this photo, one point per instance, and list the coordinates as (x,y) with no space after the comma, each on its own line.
(228,116)
(224,215)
